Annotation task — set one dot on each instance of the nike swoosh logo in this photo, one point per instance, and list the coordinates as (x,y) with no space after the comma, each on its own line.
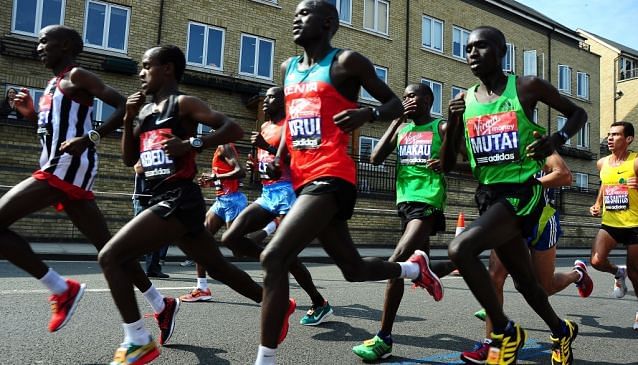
(621,172)
(158,122)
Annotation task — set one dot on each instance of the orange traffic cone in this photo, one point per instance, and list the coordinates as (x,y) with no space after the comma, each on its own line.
(460,224)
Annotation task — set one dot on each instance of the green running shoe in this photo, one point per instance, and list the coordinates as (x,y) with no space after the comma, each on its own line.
(373,349)
(316,315)
(480,314)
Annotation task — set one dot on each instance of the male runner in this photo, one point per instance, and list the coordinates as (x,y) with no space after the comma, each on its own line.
(421,195)
(224,177)
(163,139)
(618,198)
(321,89)
(68,167)
(276,200)
(505,150)
(542,246)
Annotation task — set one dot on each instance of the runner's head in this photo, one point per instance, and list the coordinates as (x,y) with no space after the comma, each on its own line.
(58,43)
(485,50)
(274,101)
(422,95)
(161,65)
(620,136)
(314,20)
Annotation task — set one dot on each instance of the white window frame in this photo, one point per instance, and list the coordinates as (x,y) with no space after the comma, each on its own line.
(627,68)
(579,85)
(458,90)
(256,60)
(375,16)
(38,18)
(432,22)
(205,46)
(463,32)
(582,137)
(560,123)
(511,52)
(373,143)
(530,63)
(567,89)
(203,129)
(106,25)
(439,97)
(364,95)
(535,116)
(581,181)
(338,4)
(98,109)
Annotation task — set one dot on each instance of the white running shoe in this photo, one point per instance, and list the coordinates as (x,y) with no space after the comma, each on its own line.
(620,288)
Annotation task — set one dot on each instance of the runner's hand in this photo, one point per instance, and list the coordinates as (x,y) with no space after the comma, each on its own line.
(594,210)
(456,108)
(632,183)
(133,105)
(543,146)
(351,119)
(75,146)
(24,102)
(409,107)
(250,163)
(434,164)
(258,140)
(273,169)
(174,146)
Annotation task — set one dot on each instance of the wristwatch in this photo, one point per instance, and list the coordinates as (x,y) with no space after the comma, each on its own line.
(376,114)
(94,137)
(196,143)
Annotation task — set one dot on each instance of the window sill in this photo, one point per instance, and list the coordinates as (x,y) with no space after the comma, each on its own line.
(268,3)
(366,31)
(207,70)
(260,80)
(105,52)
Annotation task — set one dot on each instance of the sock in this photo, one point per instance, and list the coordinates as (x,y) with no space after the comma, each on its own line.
(136,333)
(386,337)
(620,272)
(54,282)
(270,228)
(410,270)
(202,283)
(509,328)
(265,356)
(580,275)
(155,299)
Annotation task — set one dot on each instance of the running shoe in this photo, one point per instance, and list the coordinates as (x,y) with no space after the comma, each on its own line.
(636,322)
(620,288)
(63,305)
(373,349)
(585,285)
(427,279)
(504,347)
(562,347)
(197,295)
(187,262)
(478,355)
(166,319)
(284,329)
(129,354)
(316,315)
(481,314)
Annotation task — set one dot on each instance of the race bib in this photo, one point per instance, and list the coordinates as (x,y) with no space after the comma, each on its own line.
(264,159)
(157,165)
(304,123)
(44,107)
(494,138)
(616,197)
(415,148)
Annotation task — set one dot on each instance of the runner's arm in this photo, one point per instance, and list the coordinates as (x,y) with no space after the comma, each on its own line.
(387,142)
(230,155)
(226,130)
(559,174)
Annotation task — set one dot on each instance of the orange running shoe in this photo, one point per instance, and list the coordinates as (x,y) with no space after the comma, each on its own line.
(197,295)
(63,305)
(292,305)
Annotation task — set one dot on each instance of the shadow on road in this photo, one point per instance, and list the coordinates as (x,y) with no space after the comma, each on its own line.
(204,355)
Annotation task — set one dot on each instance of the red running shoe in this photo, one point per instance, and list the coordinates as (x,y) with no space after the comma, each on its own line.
(427,279)
(585,285)
(166,319)
(292,305)
(478,355)
(63,305)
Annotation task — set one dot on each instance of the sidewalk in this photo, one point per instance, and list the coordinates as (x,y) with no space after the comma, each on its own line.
(85,251)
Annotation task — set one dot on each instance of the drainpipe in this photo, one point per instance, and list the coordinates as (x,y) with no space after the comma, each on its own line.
(549,76)
(407,43)
(615,96)
(161,20)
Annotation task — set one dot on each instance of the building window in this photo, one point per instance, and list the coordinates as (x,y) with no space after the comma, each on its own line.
(535,116)
(30,16)
(345,9)
(560,123)
(366,146)
(432,37)
(509,59)
(459,42)
(456,91)
(437,90)
(256,56)
(205,46)
(106,26)
(627,68)
(203,129)
(101,111)
(375,15)
(564,79)
(581,181)
(382,73)
(583,137)
(530,68)
(35,94)
(582,85)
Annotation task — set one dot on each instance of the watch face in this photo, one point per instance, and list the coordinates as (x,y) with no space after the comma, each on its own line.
(94,136)
(197,142)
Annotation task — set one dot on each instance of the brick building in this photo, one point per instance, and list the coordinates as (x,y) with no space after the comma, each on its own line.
(234,49)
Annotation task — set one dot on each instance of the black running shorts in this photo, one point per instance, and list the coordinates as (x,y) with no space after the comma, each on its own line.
(184,201)
(626,236)
(344,192)
(408,211)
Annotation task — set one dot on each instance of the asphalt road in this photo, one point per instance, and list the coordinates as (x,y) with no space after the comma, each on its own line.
(226,331)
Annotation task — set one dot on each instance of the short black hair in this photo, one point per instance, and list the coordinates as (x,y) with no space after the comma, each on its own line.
(628,128)
(423,89)
(171,54)
(64,33)
(278,90)
(328,9)
(497,35)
